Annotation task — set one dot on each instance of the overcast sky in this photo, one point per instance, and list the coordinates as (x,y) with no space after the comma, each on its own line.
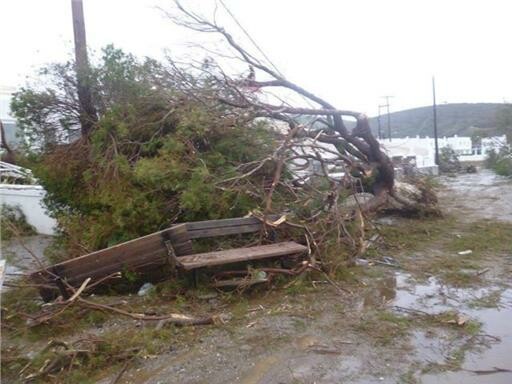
(349,52)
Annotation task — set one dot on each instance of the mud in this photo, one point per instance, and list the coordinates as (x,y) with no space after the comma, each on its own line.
(317,338)
(316,335)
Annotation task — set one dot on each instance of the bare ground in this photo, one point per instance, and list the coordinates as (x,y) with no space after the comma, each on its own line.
(400,324)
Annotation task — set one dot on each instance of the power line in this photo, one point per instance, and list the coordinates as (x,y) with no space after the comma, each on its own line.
(389,115)
(249,37)
(258,47)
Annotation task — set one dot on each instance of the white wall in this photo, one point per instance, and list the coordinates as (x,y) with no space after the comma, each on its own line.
(423,148)
(29,199)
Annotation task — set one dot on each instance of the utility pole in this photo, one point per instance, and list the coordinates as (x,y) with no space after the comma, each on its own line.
(379,134)
(389,115)
(87,110)
(434,107)
(379,131)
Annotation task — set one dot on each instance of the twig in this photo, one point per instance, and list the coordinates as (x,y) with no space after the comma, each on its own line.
(79,290)
(116,379)
(172,317)
(479,273)
(332,282)
(488,371)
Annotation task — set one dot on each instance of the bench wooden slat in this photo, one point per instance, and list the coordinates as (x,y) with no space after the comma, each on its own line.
(224,227)
(224,231)
(149,250)
(210,259)
(195,225)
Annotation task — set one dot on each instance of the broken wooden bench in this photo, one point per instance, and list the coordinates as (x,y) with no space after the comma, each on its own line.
(171,248)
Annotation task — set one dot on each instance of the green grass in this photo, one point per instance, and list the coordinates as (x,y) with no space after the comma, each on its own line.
(484,237)
(490,300)
(430,246)
(387,327)
(414,234)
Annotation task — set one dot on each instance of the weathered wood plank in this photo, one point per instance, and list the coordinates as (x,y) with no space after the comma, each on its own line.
(210,259)
(224,227)
(195,225)
(180,239)
(116,253)
(135,254)
(224,231)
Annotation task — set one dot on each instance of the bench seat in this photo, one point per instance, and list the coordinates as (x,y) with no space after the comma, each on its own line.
(210,259)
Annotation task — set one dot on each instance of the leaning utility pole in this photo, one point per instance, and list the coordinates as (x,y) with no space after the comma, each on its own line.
(87,110)
(434,106)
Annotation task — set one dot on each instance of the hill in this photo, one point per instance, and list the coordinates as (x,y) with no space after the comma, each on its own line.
(452,119)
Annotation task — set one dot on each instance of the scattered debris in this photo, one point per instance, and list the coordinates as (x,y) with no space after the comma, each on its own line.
(2,273)
(485,270)
(470,169)
(385,261)
(323,349)
(59,355)
(145,289)
(362,262)
(488,371)
(460,320)
(466,252)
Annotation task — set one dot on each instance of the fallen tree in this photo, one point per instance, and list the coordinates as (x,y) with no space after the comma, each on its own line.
(184,142)
(324,138)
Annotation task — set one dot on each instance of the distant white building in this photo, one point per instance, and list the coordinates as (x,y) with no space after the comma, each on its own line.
(422,149)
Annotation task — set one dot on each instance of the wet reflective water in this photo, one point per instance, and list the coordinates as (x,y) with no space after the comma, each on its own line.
(498,323)
(434,297)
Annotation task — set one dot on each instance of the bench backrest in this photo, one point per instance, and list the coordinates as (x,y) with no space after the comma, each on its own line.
(224,227)
(153,250)
(142,253)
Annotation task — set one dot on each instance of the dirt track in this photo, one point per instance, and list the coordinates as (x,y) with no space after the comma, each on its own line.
(318,336)
(396,326)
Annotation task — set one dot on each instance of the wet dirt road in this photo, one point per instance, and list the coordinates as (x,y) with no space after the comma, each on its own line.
(484,195)
(386,331)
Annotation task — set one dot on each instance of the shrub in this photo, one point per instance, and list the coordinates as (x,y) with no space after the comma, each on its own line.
(155,156)
(14,222)
(500,162)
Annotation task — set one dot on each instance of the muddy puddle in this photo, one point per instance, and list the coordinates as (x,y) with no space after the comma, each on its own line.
(494,351)
(292,348)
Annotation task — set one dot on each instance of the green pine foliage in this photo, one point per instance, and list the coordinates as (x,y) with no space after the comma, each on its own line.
(155,157)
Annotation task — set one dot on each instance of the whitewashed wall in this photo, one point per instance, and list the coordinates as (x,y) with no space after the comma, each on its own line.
(423,148)
(29,199)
